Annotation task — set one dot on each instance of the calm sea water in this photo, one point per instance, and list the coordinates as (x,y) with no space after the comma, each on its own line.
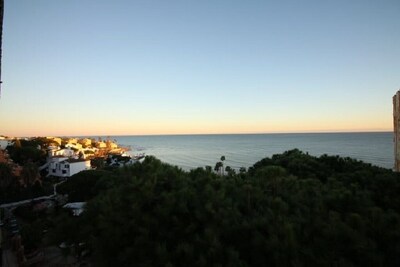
(243,150)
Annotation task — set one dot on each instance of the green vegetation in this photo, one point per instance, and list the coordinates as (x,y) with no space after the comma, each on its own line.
(82,186)
(289,210)
(8,183)
(31,235)
(23,181)
(27,185)
(33,150)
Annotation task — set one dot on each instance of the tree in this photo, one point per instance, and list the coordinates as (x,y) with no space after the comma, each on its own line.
(6,176)
(288,210)
(83,185)
(17,143)
(30,174)
(31,235)
(218,167)
(222,166)
(230,171)
(208,169)
(24,151)
(97,163)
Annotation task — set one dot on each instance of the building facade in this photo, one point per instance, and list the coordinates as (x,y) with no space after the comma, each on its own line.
(4,143)
(396,127)
(66,167)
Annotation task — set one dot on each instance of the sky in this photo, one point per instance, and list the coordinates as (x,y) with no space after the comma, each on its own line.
(138,67)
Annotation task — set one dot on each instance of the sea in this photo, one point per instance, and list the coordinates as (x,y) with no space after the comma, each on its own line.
(244,150)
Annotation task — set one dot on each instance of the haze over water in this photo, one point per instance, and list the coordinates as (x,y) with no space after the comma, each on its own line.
(243,150)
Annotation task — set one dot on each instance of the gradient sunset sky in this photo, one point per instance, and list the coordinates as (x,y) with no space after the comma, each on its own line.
(123,67)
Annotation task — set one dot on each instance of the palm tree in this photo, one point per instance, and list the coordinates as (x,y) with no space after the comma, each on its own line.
(218,166)
(230,171)
(222,166)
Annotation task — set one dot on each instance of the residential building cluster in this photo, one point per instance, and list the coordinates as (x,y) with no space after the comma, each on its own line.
(69,156)
(66,156)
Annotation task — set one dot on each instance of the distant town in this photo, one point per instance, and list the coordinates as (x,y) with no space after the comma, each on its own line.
(62,156)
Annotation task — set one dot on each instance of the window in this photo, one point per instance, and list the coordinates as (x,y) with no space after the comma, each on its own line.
(64,171)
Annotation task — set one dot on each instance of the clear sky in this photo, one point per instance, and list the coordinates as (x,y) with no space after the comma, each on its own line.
(117,67)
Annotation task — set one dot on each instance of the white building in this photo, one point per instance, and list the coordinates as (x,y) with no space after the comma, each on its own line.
(66,152)
(4,143)
(66,167)
(101,144)
(85,142)
(55,139)
(74,146)
(76,207)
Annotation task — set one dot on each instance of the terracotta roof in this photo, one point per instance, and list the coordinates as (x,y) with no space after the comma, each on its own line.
(76,160)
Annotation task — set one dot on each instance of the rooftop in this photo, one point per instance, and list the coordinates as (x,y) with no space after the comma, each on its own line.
(76,160)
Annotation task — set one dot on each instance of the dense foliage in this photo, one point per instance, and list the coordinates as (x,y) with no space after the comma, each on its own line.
(23,151)
(289,210)
(27,185)
(23,180)
(81,186)
(8,183)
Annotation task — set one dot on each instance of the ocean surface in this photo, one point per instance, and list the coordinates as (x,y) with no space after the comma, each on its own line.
(243,150)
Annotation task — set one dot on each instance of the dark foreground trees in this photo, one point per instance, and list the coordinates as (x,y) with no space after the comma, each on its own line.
(289,210)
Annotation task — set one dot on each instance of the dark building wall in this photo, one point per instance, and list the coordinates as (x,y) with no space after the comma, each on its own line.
(1,34)
(396,128)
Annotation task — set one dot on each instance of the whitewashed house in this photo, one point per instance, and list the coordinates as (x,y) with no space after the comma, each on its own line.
(101,144)
(4,143)
(76,146)
(55,139)
(66,152)
(72,140)
(66,167)
(86,142)
(89,152)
